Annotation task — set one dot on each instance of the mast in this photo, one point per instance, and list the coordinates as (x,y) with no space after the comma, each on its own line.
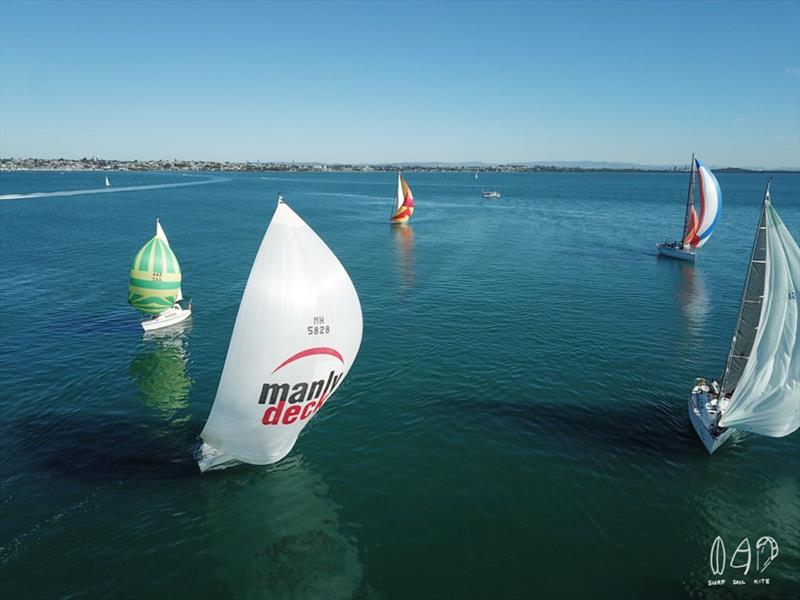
(747,322)
(689,202)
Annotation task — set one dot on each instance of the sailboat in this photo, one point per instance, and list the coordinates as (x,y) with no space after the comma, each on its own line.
(405,202)
(155,284)
(760,389)
(296,336)
(696,231)
(476,174)
(108,183)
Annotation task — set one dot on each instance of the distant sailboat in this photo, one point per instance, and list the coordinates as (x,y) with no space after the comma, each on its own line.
(760,389)
(155,283)
(296,336)
(476,174)
(108,183)
(696,231)
(404,207)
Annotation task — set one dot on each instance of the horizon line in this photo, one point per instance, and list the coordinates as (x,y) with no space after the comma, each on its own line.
(598,164)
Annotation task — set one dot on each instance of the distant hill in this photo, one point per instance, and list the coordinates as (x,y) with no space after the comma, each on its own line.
(578,164)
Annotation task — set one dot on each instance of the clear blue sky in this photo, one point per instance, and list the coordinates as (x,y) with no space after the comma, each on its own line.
(645,82)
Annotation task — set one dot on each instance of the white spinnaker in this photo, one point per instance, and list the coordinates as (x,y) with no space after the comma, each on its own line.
(163,236)
(160,232)
(767,398)
(400,197)
(712,203)
(296,283)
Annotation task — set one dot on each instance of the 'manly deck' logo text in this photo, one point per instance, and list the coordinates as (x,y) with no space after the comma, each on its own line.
(290,402)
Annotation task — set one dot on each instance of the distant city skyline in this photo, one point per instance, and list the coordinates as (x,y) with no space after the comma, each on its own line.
(374,83)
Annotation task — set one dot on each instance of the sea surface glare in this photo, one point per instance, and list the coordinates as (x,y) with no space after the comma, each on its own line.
(515,424)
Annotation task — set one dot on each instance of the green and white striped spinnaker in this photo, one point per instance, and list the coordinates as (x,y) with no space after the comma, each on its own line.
(155,281)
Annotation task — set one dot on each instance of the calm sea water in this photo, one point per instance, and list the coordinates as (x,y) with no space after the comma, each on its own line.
(514,425)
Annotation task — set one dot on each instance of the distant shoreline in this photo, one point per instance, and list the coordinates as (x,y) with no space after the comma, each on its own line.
(96,164)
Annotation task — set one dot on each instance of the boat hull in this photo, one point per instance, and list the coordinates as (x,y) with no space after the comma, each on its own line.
(171,316)
(210,459)
(702,420)
(672,252)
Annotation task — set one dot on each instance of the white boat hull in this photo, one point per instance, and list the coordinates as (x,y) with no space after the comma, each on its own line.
(673,252)
(703,417)
(210,459)
(171,316)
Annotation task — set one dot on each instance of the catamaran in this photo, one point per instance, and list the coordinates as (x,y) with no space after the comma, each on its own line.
(296,336)
(404,207)
(696,231)
(155,284)
(760,389)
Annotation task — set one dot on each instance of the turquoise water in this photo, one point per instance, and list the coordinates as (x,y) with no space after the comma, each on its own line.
(514,426)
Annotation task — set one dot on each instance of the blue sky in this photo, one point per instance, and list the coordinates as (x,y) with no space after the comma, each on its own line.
(644,82)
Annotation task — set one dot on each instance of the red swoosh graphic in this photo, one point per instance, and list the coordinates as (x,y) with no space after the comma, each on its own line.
(310,352)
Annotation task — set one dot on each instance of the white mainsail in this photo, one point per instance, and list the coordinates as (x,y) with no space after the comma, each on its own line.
(400,195)
(766,398)
(163,236)
(296,336)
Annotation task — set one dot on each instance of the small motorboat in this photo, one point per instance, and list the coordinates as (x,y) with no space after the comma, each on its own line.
(490,194)
(171,316)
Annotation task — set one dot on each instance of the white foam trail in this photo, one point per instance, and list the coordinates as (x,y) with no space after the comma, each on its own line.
(109,190)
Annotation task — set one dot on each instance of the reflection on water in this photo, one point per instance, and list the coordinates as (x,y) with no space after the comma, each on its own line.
(693,297)
(276,534)
(403,237)
(160,370)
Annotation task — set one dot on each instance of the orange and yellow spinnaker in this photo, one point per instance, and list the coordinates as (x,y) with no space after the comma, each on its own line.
(405,202)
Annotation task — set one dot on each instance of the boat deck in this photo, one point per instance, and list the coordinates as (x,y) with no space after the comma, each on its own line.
(704,408)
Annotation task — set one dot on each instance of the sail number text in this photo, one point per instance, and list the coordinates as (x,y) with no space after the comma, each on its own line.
(319,327)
